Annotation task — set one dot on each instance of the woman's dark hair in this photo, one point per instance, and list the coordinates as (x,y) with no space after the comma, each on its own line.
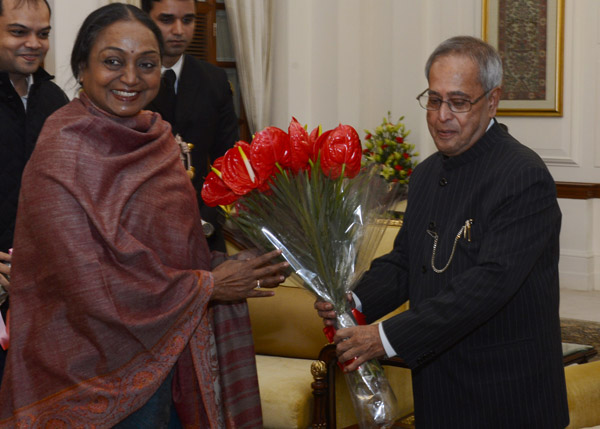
(97,21)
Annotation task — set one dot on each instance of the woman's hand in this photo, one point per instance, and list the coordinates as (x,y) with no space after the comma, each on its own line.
(4,270)
(247,276)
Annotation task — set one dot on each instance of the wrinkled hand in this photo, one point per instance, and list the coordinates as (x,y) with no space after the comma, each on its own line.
(326,312)
(4,269)
(360,342)
(237,279)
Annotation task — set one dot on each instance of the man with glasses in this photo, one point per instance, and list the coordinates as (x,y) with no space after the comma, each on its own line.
(477,258)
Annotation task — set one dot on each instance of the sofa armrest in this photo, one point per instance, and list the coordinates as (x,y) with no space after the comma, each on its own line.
(583,393)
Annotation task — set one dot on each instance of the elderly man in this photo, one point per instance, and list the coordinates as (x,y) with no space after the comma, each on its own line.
(27,98)
(477,257)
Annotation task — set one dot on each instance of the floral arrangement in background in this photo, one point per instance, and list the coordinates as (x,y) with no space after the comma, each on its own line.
(387,146)
(309,195)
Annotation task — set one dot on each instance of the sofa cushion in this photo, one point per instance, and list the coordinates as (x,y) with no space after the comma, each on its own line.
(285,391)
(287,324)
(583,393)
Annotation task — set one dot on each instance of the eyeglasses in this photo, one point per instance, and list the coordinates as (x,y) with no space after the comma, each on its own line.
(456,104)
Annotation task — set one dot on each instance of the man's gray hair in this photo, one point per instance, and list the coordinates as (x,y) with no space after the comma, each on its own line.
(484,55)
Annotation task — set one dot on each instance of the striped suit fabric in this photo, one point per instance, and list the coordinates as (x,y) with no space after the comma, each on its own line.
(483,337)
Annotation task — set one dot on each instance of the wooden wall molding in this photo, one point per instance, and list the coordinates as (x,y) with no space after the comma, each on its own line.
(577,190)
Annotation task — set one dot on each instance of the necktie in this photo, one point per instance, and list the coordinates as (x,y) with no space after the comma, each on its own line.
(168,97)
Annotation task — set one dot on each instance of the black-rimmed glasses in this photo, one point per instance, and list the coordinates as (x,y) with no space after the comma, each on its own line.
(456,104)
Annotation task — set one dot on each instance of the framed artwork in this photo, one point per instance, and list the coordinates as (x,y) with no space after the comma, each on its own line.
(529,37)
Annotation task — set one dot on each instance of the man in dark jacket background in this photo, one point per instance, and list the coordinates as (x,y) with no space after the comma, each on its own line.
(27,98)
(202,112)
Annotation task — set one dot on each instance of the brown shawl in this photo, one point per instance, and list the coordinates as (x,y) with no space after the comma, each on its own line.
(111,284)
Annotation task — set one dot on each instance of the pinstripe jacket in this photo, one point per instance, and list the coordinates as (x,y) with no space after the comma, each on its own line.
(483,336)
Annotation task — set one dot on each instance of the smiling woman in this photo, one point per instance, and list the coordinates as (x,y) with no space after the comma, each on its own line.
(120,71)
(122,317)
(122,74)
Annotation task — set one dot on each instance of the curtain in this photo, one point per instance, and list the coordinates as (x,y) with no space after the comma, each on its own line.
(251,30)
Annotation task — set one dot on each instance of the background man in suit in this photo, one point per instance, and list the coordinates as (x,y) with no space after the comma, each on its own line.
(27,98)
(477,257)
(202,112)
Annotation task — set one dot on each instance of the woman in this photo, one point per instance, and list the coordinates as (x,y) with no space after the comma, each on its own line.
(112,294)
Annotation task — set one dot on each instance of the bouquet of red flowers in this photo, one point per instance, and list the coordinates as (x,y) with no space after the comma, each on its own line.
(308,195)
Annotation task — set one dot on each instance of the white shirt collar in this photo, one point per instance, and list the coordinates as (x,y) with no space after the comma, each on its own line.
(29,83)
(177,69)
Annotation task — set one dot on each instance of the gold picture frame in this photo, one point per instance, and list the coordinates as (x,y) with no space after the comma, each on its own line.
(530,41)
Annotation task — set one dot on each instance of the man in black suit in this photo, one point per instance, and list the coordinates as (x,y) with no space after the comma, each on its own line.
(477,257)
(202,112)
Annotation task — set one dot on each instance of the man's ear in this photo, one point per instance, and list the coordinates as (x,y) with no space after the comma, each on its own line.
(493,99)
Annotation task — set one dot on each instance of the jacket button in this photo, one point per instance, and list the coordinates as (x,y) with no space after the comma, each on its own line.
(432,226)
(443,181)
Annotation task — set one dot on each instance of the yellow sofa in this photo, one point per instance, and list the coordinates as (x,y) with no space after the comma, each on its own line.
(583,393)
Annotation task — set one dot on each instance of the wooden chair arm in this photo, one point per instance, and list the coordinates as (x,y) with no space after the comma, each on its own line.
(324,387)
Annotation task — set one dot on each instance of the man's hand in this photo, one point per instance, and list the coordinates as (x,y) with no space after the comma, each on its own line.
(4,269)
(326,312)
(360,342)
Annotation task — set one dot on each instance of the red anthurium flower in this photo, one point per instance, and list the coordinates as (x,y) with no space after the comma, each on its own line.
(368,137)
(237,172)
(398,167)
(317,144)
(399,139)
(341,148)
(406,155)
(300,146)
(269,146)
(214,191)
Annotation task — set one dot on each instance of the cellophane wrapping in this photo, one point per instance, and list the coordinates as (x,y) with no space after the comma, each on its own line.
(310,197)
(328,231)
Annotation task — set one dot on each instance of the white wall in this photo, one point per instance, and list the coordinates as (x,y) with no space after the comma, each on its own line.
(351,61)
(67,16)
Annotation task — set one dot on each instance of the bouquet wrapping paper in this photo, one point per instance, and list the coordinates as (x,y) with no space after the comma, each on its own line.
(308,195)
